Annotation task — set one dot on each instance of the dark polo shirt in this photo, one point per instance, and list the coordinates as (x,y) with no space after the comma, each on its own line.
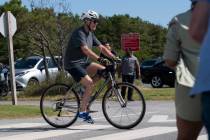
(74,55)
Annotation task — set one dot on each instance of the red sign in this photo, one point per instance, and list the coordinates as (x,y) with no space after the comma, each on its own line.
(130,41)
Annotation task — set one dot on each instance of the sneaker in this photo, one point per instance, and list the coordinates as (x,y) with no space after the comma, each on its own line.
(86,117)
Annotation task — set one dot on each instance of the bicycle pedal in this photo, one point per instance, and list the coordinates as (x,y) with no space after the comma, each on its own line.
(93,111)
(89,121)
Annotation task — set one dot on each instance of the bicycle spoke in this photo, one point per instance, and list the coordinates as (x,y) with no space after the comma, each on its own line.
(128,115)
(133,112)
(59,105)
(121,117)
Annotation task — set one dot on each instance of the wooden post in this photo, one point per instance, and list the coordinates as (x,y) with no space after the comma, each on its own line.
(11,59)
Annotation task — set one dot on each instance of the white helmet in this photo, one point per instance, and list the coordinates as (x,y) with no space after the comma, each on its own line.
(89,15)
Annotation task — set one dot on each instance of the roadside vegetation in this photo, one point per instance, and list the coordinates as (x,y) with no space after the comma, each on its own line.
(19,111)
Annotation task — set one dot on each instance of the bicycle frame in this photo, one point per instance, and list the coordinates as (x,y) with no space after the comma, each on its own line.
(101,88)
(113,85)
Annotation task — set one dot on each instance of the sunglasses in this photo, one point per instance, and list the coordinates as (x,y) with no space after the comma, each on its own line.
(95,21)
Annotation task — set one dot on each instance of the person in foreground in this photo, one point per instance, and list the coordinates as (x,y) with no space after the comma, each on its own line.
(200,31)
(182,53)
(77,58)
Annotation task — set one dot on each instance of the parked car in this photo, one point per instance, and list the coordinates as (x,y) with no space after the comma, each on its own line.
(156,73)
(150,62)
(30,70)
(4,84)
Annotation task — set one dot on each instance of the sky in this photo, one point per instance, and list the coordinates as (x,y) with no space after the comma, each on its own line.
(154,11)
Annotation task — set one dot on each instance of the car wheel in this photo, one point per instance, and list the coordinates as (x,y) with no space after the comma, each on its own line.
(33,82)
(156,82)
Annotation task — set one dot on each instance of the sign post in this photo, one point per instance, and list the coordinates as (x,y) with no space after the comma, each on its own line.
(8,28)
(130,41)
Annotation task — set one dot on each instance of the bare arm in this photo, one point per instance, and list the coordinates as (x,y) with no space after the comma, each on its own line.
(199,21)
(137,69)
(106,52)
(89,53)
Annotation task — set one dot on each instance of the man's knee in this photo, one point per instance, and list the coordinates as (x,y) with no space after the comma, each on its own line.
(87,82)
(93,68)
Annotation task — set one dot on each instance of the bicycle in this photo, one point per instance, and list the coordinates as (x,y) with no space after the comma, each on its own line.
(60,103)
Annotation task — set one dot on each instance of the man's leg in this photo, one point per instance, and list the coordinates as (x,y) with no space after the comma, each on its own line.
(206,111)
(80,75)
(130,90)
(124,79)
(87,82)
(92,70)
(188,130)
(188,111)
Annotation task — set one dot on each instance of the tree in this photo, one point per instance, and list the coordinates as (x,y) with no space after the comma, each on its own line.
(20,12)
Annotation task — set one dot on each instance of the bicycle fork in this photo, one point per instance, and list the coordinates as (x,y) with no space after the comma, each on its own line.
(119,97)
(117,92)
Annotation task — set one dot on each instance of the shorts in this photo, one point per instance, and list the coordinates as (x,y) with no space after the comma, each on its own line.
(187,108)
(79,71)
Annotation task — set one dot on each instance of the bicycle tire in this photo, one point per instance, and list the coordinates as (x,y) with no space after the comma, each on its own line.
(114,120)
(58,100)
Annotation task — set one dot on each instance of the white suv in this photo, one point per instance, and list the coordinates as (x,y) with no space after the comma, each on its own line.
(31,70)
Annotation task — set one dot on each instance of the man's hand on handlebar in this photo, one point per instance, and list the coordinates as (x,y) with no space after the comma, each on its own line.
(117,59)
(104,61)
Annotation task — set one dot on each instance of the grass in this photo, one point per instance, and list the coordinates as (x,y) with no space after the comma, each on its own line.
(19,111)
(158,93)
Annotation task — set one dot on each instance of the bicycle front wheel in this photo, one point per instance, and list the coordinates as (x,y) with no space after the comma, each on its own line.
(59,105)
(120,110)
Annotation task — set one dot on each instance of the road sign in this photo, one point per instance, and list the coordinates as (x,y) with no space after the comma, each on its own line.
(8,28)
(130,41)
(3,24)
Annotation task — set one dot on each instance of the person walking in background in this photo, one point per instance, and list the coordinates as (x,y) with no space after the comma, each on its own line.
(130,70)
(200,31)
(182,53)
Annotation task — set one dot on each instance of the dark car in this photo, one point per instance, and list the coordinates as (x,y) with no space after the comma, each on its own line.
(149,63)
(157,73)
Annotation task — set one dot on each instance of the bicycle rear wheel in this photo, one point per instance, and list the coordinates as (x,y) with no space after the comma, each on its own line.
(59,105)
(123,115)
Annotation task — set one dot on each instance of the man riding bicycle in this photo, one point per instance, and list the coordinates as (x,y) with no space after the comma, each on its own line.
(77,62)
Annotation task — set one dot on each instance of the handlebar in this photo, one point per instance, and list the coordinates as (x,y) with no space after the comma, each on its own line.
(118,61)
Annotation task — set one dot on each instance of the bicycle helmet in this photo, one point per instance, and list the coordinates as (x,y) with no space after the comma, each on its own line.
(89,15)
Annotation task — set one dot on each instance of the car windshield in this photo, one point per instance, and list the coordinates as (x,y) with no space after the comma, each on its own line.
(26,63)
(148,63)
